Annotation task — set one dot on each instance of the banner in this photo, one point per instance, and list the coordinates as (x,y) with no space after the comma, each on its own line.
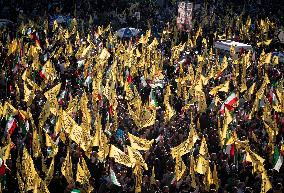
(119,156)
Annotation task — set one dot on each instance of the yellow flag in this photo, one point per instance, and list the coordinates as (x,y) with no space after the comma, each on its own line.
(9,110)
(265,183)
(203,147)
(33,85)
(192,171)
(55,25)
(73,104)
(169,110)
(52,93)
(29,95)
(80,176)
(202,106)
(185,146)
(254,158)
(50,144)
(104,54)
(86,50)
(67,122)
(83,174)
(28,171)
(13,47)
(139,143)
(228,119)
(50,172)
(267,42)
(66,168)
(215,90)
(268,58)
(243,87)
(44,114)
(151,120)
(249,92)
(48,140)
(1,110)
(143,40)
(135,157)
(225,87)
(228,116)
(20,183)
(261,90)
(97,137)
(58,125)
(80,136)
(198,86)
(49,71)
(275,60)
(152,179)
(209,178)
(138,178)
(232,139)
(179,168)
(104,147)
(215,177)
(202,165)
(7,152)
(119,156)
(86,119)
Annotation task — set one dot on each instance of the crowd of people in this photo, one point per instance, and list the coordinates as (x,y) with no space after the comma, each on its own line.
(83,110)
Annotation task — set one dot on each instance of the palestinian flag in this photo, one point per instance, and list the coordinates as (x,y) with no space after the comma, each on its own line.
(24,126)
(152,99)
(272,97)
(42,73)
(61,97)
(2,167)
(230,150)
(229,103)
(10,125)
(88,81)
(113,178)
(277,159)
(129,79)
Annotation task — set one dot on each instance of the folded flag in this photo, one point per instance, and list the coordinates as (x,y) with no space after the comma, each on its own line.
(11,125)
(229,102)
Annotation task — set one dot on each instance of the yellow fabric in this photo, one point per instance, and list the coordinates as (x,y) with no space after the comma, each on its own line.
(50,172)
(119,156)
(9,110)
(185,146)
(265,183)
(152,179)
(66,168)
(35,144)
(135,157)
(83,174)
(44,114)
(179,168)
(139,143)
(138,178)
(202,165)
(192,171)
